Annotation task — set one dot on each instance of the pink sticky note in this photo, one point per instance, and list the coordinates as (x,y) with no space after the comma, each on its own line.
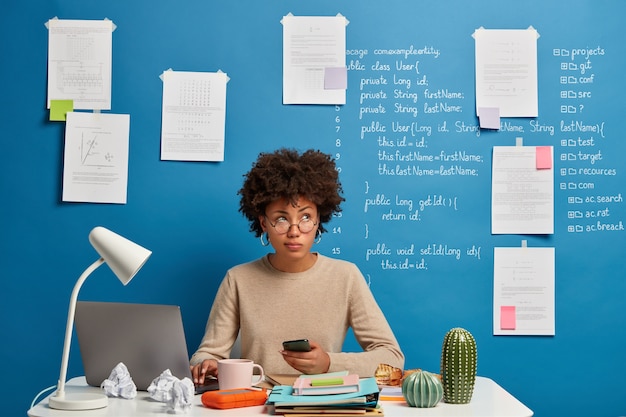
(335,78)
(507,317)
(489,117)
(543,157)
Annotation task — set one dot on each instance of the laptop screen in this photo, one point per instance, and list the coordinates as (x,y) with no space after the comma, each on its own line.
(147,338)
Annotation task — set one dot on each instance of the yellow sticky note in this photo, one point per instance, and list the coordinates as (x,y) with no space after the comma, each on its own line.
(60,108)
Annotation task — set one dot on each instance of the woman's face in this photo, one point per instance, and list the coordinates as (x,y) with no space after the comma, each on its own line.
(292,247)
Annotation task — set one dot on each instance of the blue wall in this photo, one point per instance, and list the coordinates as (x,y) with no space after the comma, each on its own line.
(186,213)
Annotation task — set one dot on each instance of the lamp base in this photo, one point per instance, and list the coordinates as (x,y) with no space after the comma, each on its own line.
(78,401)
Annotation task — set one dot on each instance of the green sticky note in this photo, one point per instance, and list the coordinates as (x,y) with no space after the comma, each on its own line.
(325,382)
(60,108)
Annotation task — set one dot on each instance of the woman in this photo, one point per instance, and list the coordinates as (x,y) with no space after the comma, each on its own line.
(293,292)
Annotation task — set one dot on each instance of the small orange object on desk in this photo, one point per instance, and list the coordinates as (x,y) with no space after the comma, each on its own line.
(234,398)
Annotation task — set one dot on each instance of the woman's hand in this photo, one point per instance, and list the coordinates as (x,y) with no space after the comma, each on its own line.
(316,361)
(205,368)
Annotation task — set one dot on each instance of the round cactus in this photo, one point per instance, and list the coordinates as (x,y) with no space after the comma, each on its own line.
(422,389)
(458,366)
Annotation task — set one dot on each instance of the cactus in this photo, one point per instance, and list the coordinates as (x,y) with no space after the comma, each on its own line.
(422,389)
(458,366)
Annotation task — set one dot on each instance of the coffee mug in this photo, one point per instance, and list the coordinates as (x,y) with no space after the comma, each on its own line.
(238,373)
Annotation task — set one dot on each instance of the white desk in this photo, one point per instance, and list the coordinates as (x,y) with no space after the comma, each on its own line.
(489,399)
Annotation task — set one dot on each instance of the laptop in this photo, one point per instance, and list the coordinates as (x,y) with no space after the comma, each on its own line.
(147,338)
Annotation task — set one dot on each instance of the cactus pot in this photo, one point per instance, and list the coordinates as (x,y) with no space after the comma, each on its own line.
(422,389)
(458,366)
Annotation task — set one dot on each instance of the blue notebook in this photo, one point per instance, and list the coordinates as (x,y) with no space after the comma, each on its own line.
(366,396)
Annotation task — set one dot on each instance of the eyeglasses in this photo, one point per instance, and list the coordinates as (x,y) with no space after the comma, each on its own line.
(282,225)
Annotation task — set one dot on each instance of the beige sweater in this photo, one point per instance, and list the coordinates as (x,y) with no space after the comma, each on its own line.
(268,306)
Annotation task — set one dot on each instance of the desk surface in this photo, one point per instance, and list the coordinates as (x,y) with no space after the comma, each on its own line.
(489,399)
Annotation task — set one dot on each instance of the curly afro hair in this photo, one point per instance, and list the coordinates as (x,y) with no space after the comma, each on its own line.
(288,174)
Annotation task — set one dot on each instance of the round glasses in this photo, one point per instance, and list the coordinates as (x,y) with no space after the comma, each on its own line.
(282,225)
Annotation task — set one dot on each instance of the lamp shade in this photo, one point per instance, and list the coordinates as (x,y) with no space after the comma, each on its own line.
(124,257)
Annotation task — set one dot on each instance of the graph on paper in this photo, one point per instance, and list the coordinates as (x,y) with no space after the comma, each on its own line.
(93,152)
(79,62)
(95,168)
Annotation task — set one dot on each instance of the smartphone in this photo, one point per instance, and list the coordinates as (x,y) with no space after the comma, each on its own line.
(299,345)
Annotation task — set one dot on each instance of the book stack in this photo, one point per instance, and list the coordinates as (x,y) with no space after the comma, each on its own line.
(332,394)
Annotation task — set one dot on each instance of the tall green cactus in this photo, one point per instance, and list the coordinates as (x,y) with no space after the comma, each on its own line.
(458,366)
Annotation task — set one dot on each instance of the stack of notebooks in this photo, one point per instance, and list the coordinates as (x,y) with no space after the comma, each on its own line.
(332,394)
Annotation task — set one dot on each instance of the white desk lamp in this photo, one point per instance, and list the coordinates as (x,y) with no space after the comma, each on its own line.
(124,258)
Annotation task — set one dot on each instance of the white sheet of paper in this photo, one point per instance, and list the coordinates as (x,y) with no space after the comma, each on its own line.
(96,157)
(79,62)
(194,116)
(522,196)
(506,71)
(524,279)
(310,45)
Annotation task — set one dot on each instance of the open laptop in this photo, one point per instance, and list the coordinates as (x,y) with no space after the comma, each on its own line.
(147,338)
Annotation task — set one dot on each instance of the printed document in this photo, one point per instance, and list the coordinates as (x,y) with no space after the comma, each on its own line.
(506,71)
(194,116)
(311,45)
(79,62)
(523,291)
(522,190)
(96,157)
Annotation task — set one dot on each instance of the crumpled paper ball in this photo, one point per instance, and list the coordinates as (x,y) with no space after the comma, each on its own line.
(177,394)
(119,383)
